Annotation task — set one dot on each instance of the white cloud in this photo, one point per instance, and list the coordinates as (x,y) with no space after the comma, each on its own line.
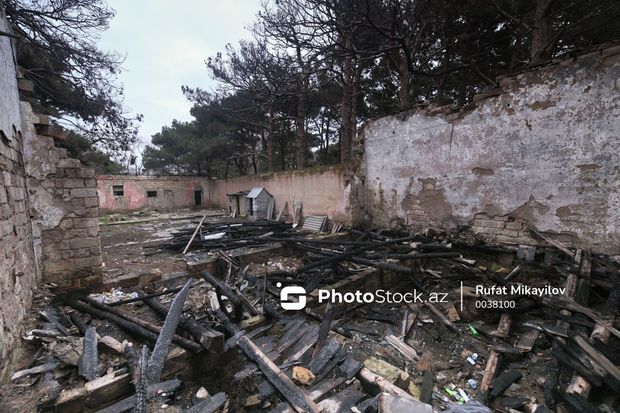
(166,44)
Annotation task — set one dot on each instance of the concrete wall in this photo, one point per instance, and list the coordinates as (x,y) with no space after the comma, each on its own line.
(18,271)
(321,190)
(543,149)
(172,192)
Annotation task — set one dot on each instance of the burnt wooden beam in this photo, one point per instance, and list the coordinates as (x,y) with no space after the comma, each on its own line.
(156,362)
(298,399)
(352,253)
(210,339)
(494,357)
(142,382)
(181,341)
(145,296)
(88,366)
(233,296)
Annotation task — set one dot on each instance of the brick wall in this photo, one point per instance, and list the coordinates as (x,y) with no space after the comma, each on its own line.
(64,209)
(48,209)
(18,271)
(513,230)
(72,249)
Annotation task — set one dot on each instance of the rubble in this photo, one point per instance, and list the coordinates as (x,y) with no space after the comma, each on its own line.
(232,347)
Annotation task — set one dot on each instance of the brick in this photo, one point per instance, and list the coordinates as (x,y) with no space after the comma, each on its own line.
(88,262)
(69,163)
(71,183)
(91,202)
(90,183)
(85,222)
(494,224)
(514,225)
(85,242)
(86,173)
(83,192)
(509,232)
(507,240)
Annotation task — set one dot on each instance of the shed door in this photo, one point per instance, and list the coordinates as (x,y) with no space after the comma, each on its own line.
(197,198)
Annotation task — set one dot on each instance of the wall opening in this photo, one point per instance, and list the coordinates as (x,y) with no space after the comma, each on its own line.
(198,198)
(118,190)
(151,194)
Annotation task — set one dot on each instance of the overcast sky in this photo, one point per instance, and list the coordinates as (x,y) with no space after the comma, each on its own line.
(165,44)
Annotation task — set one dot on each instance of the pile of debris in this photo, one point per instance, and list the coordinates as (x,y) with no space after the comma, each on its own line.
(483,336)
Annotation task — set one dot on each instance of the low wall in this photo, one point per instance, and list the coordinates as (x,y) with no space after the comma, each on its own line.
(321,190)
(18,270)
(542,149)
(172,192)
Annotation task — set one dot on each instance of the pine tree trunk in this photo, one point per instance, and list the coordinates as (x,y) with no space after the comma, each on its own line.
(345,107)
(269,139)
(541,49)
(300,153)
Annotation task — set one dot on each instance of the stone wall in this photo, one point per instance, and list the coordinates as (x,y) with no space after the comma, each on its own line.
(18,271)
(48,208)
(171,192)
(540,150)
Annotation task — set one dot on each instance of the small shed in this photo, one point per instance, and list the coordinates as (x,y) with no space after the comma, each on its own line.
(238,203)
(260,202)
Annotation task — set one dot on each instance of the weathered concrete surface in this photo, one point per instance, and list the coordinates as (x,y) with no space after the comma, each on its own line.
(321,190)
(172,192)
(545,151)
(18,272)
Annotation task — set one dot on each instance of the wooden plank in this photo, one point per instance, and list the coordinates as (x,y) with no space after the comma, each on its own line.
(407,351)
(194,234)
(42,368)
(210,405)
(494,357)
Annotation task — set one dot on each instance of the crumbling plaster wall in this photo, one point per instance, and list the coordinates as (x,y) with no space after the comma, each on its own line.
(543,150)
(320,190)
(18,272)
(173,192)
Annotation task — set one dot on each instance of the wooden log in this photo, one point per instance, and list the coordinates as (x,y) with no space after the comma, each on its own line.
(407,351)
(298,399)
(503,381)
(233,296)
(128,403)
(88,366)
(42,368)
(145,296)
(181,341)
(126,325)
(162,346)
(210,405)
(442,318)
(494,356)
(142,382)
(194,235)
(351,253)
(210,339)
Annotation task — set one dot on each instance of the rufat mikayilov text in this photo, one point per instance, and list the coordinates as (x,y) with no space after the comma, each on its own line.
(519,289)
